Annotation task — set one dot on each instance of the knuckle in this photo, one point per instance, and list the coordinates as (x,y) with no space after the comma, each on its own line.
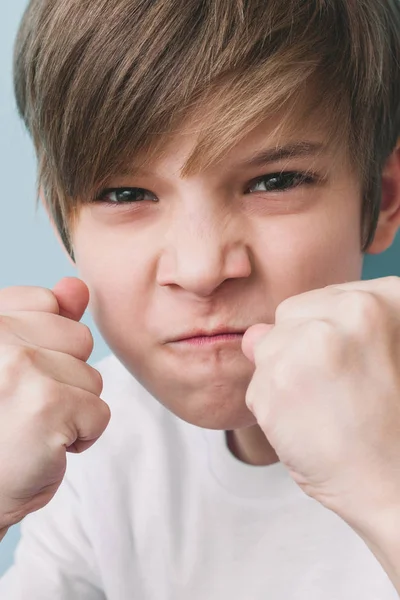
(364,310)
(44,396)
(13,364)
(365,302)
(17,358)
(86,338)
(286,375)
(322,332)
(106,411)
(250,397)
(321,347)
(393,280)
(249,400)
(261,410)
(101,414)
(47,300)
(98,380)
(327,343)
(282,375)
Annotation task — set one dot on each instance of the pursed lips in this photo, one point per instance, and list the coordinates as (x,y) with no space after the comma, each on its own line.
(218,333)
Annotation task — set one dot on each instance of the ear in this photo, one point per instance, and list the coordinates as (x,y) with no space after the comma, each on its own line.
(389,216)
(56,230)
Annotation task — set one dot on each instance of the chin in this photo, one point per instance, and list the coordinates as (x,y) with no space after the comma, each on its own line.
(226,422)
(217,407)
(211,398)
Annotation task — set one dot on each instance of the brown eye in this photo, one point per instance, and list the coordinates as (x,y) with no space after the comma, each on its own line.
(278,182)
(124,195)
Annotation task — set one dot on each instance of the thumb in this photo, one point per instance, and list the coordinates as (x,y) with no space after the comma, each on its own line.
(72,296)
(252,336)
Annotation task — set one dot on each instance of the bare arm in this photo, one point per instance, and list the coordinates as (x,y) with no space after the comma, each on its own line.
(381,533)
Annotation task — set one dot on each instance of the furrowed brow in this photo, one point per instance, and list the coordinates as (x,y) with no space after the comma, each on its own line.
(262,157)
(271,155)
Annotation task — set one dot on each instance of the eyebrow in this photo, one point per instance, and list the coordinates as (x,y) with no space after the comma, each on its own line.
(295,150)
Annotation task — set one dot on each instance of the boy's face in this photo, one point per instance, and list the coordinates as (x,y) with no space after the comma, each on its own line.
(217,249)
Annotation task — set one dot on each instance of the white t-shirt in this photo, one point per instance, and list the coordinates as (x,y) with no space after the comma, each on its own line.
(158,509)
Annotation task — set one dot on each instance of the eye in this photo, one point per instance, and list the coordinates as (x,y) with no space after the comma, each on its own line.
(117,196)
(279,182)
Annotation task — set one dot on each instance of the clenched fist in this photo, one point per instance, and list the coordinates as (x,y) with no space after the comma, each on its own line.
(49,395)
(326,393)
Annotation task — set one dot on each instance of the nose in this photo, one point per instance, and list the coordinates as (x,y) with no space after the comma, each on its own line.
(204,248)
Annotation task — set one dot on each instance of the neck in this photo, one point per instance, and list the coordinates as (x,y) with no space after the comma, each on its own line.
(251,446)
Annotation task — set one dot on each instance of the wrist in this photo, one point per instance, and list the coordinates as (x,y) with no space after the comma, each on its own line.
(380,530)
(380,526)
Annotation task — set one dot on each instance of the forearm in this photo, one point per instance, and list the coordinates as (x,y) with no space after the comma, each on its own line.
(389,557)
(381,533)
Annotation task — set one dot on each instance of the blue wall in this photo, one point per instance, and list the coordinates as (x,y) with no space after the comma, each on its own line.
(30,253)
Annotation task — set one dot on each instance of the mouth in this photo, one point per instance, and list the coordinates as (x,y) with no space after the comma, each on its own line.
(212,339)
(201,337)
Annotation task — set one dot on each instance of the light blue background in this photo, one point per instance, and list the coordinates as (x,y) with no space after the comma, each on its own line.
(30,253)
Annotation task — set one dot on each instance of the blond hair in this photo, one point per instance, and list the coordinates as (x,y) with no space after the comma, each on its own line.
(100,82)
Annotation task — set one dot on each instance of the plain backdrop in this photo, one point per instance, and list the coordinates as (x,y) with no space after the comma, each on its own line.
(30,253)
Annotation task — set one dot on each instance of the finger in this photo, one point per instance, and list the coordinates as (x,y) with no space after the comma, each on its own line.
(387,288)
(69,370)
(349,303)
(29,298)
(50,331)
(311,304)
(69,298)
(279,340)
(382,284)
(252,336)
(81,420)
(72,295)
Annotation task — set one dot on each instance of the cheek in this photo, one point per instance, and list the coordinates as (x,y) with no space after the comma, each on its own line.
(312,249)
(116,273)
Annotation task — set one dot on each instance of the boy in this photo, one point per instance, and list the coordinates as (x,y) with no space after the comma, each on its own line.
(203,162)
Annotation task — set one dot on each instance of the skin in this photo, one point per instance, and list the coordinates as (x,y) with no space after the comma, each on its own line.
(208,254)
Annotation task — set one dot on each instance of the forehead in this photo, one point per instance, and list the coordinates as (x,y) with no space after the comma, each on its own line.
(282,136)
